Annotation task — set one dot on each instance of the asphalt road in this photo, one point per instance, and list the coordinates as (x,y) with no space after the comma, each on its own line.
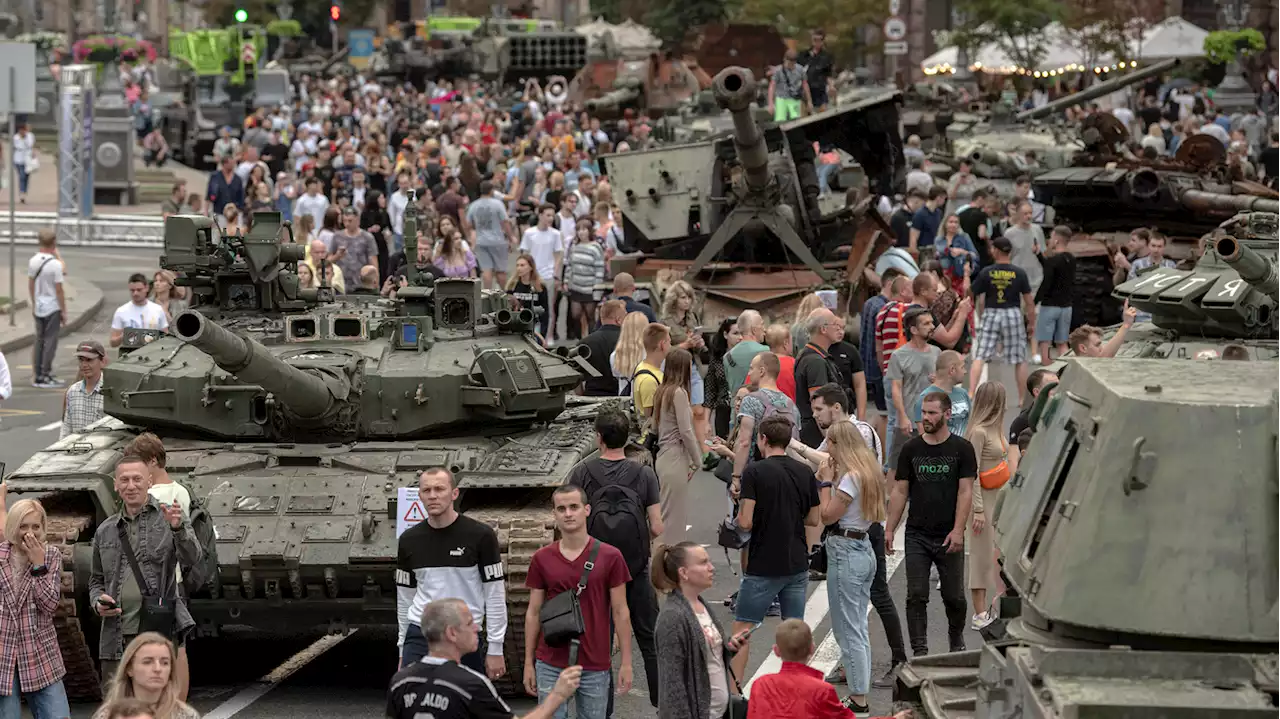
(287,677)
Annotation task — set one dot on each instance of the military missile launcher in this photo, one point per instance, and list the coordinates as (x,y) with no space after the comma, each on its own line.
(296,416)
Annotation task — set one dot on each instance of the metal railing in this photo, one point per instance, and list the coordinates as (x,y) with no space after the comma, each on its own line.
(98,231)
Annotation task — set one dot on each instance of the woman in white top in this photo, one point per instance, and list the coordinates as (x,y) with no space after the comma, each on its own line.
(24,151)
(850,484)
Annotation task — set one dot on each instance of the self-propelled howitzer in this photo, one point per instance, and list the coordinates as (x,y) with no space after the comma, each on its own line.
(296,416)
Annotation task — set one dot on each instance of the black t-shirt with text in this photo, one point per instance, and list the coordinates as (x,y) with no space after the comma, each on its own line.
(443,689)
(784,490)
(934,473)
(1002,284)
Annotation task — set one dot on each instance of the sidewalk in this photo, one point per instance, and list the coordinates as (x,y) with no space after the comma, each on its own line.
(84,300)
(42,195)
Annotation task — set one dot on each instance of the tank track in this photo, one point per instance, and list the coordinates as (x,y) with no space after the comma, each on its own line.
(82,682)
(521,532)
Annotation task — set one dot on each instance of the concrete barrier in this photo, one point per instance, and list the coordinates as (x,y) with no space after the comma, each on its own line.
(97,231)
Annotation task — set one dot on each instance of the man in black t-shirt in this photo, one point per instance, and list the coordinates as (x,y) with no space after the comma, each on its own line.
(1003,308)
(439,686)
(814,368)
(977,224)
(1054,297)
(818,65)
(613,468)
(779,499)
(900,221)
(853,378)
(935,473)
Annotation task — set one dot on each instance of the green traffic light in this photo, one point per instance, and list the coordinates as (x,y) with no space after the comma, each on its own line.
(241,15)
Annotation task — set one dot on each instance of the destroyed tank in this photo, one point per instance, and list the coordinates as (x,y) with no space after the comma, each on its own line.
(296,416)
(656,85)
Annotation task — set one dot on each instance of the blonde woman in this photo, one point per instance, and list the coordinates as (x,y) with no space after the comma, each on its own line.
(629,351)
(30,573)
(166,293)
(146,673)
(996,464)
(800,325)
(852,494)
(686,333)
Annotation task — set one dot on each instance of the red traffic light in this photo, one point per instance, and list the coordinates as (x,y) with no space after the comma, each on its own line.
(335,13)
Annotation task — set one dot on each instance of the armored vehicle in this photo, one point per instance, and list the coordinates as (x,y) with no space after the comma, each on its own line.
(740,215)
(653,86)
(295,417)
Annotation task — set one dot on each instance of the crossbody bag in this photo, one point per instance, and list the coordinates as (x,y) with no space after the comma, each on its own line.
(159,614)
(561,615)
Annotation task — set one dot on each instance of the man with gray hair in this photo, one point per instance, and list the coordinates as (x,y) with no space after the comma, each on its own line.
(815,368)
(441,686)
(737,361)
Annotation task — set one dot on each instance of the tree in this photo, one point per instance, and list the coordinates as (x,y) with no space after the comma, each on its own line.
(1014,26)
(1109,28)
(676,22)
(840,19)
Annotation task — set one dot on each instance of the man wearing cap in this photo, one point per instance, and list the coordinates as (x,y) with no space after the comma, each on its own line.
(84,398)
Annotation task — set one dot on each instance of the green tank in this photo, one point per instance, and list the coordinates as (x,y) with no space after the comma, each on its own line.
(1125,595)
(296,416)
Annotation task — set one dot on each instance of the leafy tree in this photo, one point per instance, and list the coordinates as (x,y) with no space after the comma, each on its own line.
(840,19)
(677,22)
(221,13)
(1102,28)
(1014,26)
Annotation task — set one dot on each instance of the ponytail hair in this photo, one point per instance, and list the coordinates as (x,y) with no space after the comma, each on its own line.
(664,571)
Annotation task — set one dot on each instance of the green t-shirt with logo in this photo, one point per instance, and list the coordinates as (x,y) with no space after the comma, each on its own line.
(934,473)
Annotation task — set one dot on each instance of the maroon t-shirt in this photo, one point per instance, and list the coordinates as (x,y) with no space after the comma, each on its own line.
(550,571)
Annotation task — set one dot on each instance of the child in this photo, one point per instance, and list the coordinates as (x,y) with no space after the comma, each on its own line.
(948,374)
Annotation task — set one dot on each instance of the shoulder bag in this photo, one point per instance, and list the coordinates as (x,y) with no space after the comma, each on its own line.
(737,707)
(159,614)
(996,477)
(561,616)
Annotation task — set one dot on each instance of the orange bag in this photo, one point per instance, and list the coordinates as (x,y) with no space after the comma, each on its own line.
(996,477)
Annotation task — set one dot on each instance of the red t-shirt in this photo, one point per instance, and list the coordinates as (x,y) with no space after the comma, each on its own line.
(550,571)
(786,376)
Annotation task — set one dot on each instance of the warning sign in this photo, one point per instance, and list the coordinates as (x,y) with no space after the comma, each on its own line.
(409,509)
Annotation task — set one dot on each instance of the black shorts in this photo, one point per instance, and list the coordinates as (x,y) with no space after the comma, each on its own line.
(581,298)
(818,95)
(875,390)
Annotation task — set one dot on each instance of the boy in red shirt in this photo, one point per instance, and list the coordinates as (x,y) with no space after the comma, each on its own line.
(798,691)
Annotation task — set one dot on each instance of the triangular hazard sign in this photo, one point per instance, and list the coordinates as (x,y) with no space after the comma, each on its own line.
(414,513)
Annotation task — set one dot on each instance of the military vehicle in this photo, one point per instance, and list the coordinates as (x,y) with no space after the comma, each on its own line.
(655,86)
(296,415)
(501,49)
(740,215)
(1089,628)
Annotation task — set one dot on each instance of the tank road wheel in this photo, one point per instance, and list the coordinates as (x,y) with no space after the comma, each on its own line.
(74,638)
(521,532)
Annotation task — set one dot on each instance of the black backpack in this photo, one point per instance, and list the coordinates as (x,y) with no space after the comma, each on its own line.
(618,518)
(199,576)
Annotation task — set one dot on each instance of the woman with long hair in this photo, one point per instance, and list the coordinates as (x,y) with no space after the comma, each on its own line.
(146,673)
(583,268)
(693,655)
(679,453)
(852,492)
(329,227)
(629,351)
(800,323)
(685,324)
(454,257)
(948,300)
(956,253)
(526,288)
(996,464)
(306,276)
(716,388)
(259,200)
(304,232)
(166,293)
(30,580)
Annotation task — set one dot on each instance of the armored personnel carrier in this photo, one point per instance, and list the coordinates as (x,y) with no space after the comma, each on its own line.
(296,417)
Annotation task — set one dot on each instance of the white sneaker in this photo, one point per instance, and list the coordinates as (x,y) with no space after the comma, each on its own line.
(981,621)
(1036,358)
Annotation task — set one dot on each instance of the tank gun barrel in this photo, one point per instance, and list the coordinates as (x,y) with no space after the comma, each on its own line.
(735,91)
(1098,90)
(1251,266)
(305,394)
(613,99)
(1209,201)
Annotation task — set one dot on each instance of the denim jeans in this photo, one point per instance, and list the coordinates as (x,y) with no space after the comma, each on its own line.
(922,552)
(591,701)
(882,600)
(46,345)
(23,177)
(47,703)
(851,570)
(756,593)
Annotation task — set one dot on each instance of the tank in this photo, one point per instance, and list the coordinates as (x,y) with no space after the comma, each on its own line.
(653,86)
(1114,608)
(741,215)
(296,416)
(1095,91)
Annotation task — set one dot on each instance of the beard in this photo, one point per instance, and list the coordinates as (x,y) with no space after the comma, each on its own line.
(932,427)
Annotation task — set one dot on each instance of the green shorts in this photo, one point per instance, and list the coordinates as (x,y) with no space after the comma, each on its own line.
(785,109)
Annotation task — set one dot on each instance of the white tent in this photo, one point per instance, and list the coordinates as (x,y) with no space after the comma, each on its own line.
(628,36)
(988,56)
(1169,38)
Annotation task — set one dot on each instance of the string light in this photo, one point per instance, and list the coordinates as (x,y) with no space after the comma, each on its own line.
(946,68)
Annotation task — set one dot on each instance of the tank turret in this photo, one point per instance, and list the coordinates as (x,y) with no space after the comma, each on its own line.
(1095,91)
(617,99)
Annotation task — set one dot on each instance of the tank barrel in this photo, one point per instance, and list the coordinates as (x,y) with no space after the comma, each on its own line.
(1098,90)
(1251,266)
(1215,201)
(735,91)
(613,99)
(306,395)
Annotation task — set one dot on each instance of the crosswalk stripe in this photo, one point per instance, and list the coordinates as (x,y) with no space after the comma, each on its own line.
(51,426)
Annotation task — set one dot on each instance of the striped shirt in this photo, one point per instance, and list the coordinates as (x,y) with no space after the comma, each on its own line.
(889,330)
(83,408)
(584,267)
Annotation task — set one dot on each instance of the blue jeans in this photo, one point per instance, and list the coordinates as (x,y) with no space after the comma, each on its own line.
(591,700)
(397,242)
(851,569)
(22,177)
(826,172)
(47,703)
(756,593)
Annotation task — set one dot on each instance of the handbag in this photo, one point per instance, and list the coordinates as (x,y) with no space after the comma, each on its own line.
(995,477)
(158,614)
(33,165)
(737,707)
(561,616)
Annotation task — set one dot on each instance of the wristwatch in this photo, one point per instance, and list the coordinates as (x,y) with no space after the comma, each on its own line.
(824,485)
(39,570)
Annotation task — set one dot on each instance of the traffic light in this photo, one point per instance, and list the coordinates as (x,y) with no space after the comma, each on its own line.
(241,15)
(335,12)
